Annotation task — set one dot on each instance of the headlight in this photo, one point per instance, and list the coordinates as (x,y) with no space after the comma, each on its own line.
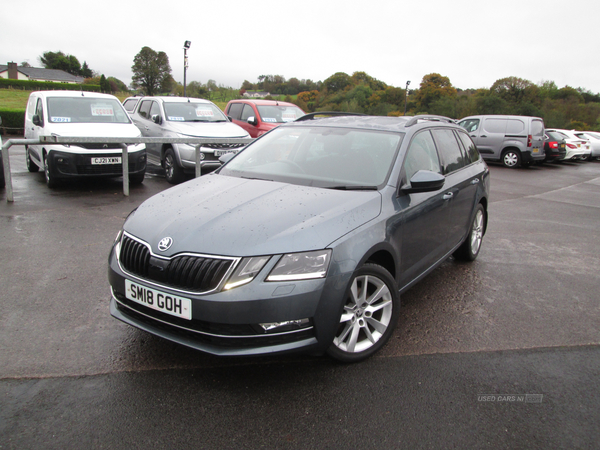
(246,270)
(301,266)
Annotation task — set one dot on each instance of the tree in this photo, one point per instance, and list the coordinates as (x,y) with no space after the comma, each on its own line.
(150,70)
(433,87)
(86,72)
(105,85)
(60,61)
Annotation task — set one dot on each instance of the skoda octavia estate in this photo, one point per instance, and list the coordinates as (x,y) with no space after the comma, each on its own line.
(304,240)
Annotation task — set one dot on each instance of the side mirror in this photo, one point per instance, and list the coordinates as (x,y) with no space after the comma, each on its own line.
(157,119)
(36,120)
(424,181)
(252,120)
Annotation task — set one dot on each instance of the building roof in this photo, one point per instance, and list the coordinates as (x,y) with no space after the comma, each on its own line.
(36,73)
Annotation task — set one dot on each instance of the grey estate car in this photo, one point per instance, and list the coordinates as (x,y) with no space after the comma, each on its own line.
(305,239)
(183,117)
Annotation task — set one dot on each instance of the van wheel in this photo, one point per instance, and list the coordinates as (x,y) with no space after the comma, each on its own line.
(369,316)
(511,158)
(173,172)
(469,249)
(31,166)
(137,178)
(51,180)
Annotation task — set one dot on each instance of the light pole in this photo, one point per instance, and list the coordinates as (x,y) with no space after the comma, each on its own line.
(406,96)
(186,45)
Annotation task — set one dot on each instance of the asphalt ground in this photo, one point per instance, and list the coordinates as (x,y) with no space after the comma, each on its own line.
(500,353)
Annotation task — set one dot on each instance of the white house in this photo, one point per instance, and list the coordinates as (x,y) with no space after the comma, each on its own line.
(15,72)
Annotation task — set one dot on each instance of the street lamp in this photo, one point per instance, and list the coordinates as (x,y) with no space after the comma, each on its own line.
(186,45)
(406,96)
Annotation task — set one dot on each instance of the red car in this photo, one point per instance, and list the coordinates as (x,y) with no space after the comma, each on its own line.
(259,116)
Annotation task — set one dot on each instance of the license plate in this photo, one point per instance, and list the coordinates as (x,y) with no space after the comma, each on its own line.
(110,160)
(224,152)
(160,301)
(536,150)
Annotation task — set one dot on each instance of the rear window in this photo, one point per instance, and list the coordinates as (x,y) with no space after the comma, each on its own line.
(537,127)
(554,136)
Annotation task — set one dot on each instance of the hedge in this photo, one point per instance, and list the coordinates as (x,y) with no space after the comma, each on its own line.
(13,121)
(26,85)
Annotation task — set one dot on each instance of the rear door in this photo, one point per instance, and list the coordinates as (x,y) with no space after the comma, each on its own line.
(143,120)
(491,137)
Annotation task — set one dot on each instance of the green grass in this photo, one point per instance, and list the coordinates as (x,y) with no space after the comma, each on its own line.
(13,98)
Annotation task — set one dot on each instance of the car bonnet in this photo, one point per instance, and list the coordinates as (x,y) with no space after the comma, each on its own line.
(207,129)
(228,216)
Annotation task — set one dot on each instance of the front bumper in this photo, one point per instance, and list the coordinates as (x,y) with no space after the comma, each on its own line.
(70,164)
(229,322)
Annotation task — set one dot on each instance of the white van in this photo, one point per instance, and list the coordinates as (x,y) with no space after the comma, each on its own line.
(80,114)
(512,140)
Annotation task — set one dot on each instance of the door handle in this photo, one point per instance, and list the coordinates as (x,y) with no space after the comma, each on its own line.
(448,196)
(475,181)
(484,135)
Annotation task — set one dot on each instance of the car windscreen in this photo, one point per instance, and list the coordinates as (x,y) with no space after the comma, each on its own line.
(86,110)
(279,114)
(193,112)
(337,158)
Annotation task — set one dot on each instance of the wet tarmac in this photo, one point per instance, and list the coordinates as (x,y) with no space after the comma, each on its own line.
(522,319)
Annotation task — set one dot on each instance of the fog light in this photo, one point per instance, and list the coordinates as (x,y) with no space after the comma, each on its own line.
(285,326)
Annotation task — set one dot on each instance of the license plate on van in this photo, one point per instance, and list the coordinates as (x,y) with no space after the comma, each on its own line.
(106,160)
(159,301)
(536,150)
(224,152)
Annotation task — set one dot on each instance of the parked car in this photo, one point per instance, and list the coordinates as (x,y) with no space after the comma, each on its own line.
(129,104)
(80,114)
(2,180)
(182,118)
(512,140)
(594,139)
(259,116)
(555,147)
(577,148)
(305,240)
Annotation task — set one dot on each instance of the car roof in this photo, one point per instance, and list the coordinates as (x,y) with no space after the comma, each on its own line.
(380,123)
(178,99)
(263,102)
(72,94)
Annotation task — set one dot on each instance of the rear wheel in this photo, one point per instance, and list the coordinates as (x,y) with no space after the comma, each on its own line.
(469,249)
(369,316)
(511,158)
(173,172)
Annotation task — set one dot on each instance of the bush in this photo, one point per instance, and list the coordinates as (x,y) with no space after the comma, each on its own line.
(26,85)
(13,121)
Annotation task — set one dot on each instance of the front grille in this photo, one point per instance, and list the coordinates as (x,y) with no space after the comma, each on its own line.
(97,146)
(222,146)
(187,272)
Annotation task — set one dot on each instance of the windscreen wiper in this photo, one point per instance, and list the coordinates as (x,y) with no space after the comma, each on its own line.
(352,188)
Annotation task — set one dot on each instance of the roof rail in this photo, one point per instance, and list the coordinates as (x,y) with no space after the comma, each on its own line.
(312,116)
(415,119)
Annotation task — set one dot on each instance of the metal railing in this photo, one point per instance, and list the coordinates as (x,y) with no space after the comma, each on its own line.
(123,142)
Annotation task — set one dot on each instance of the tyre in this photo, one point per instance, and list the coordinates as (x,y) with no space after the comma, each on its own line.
(137,178)
(51,180)
(173,172)
(2,180)
(511,158)
(31,166)
(469,249)
(369,316)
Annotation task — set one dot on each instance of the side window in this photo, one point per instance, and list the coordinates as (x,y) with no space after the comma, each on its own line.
(129,104)
(31,107)
(247,112)
(452,156)
(470,125)
(235,110)
(39,109)
(155,109)
(471,152)
(421,155)
(495,125)
(145,109)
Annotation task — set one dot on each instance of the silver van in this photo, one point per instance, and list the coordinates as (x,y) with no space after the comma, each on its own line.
(512,140)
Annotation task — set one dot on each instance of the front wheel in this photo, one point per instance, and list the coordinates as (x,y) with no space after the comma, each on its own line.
(51,180)
(369,316)
(137,178)
(469,249)
(173,172)
(511,158)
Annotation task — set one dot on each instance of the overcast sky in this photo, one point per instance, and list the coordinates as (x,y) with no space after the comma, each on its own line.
(473,43)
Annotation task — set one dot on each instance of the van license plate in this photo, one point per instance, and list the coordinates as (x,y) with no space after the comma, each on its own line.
(159,301)
(102,161)
(224,152)
(536,150)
